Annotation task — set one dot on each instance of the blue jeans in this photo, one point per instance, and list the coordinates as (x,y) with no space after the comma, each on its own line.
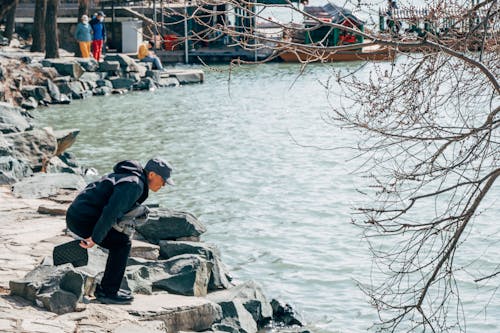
(155,60)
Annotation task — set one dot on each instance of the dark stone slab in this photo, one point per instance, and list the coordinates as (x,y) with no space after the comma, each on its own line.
(44,185)
(38,92)
(122,83)
(109,66)
(58,289)
(89,64)
(283,314)
(13,170)
(219,277)
(12,120)
(185,274)
(166,224)
(126,63)
(251,296)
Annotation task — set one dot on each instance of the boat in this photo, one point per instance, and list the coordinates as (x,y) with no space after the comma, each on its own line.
(317,42)
(364,53)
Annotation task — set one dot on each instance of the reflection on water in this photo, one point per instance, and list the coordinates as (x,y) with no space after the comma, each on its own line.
(247,163)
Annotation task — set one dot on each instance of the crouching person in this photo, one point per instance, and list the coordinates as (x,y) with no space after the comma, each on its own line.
(96,213)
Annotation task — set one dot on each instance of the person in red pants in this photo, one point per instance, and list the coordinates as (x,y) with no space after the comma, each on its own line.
(99,37)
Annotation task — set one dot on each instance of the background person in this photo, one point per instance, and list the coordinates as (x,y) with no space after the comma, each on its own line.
(83,35)
(98,208)
(99,37)
(146,54)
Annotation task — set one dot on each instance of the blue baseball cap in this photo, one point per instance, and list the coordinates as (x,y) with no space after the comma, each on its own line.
(160,167)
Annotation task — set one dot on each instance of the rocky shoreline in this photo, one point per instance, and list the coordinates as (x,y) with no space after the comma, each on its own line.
(179,281)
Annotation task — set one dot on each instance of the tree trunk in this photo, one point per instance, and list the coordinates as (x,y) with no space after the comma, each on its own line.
(83,9)
(10,21)
(51,34)
(5,5)
(38,32)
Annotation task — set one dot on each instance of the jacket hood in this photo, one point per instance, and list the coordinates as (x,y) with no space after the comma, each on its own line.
(131,167)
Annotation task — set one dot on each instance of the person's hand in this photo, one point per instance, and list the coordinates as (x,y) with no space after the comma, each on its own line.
(87,243)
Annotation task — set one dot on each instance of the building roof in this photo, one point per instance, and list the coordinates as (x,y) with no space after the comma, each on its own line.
(332,13)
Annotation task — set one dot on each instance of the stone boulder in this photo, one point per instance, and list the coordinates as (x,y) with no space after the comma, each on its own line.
(126,63)
(169,82)
(44,185)
(89,64)
(57,289)
(251,296)
(12,120)
(284,315)
(122,83)
(12,170)
(109,66)
(166,224)
(146,83)
(183,275)
(37,92)
(71,68)
(36,146)
(237,316)
(57,165)
(178,313)
(29,103)
(219,277)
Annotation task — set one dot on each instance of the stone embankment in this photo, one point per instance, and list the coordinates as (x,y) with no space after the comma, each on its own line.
(179,281)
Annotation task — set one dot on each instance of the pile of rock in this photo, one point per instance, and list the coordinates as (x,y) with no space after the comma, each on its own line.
(25,150)
(167,259)
(29,81)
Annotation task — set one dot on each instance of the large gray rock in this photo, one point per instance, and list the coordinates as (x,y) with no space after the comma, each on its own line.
(122,83)
(236,315)
(37,92)
(89,64)
(179,313)
(186,76)
(219,277)
(12,170)
(90,77)
(57,289)
(12,120)
(109,66)
(183,275)
(126,63)
(36,146)
(54,92)
(169,82)
(44,185)
(146,83)
(102,91)
(284,315)
(250,295)
(29,103)
(75,89)
(166,224)
(71,68)
(56,165)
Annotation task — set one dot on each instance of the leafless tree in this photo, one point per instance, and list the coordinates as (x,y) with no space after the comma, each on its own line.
(5,6)
(51,33)
(9,24)
(38,33)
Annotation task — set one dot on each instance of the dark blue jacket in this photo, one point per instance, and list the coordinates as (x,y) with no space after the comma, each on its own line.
(99,29)
(98,207)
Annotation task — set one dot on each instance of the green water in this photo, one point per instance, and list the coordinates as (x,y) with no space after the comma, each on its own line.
(247,163)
